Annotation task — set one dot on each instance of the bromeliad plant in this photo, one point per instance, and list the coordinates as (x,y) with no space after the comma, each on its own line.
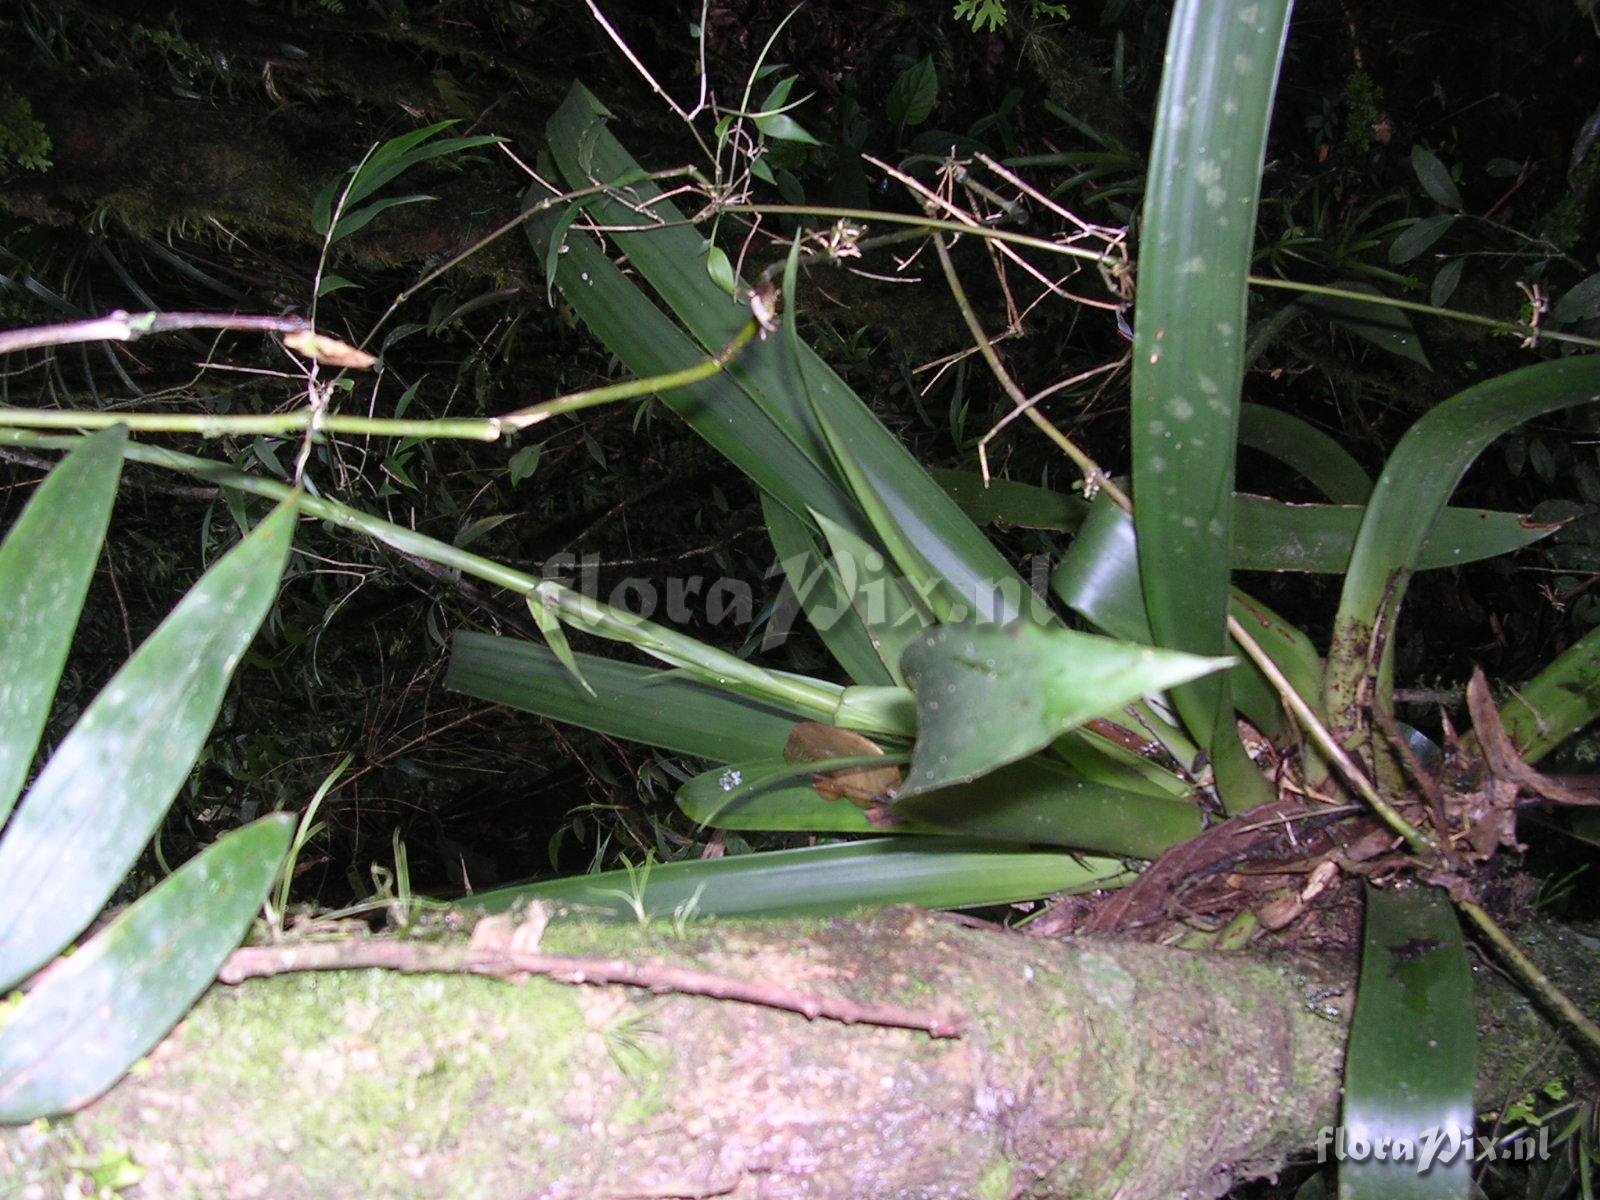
(1037,759)
(998,708)
(1015,728)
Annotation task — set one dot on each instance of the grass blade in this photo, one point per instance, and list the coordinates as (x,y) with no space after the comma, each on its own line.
(384,165)
(821,880)
(355,220)
(105,789)
(642,704)
(46,562)
(103,1008)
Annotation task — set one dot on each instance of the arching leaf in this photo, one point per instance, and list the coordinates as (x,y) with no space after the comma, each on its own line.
(104,791)
(100,1010)
(46,562)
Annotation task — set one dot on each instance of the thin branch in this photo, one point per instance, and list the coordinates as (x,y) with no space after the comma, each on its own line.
(1104,259)
(1419,842)
(627,52)
(1518,328)
(122,326)
(1522,329)
(1093,476)
(506,962)
(1536,979)
(524,417)
(482,429)
(527,214)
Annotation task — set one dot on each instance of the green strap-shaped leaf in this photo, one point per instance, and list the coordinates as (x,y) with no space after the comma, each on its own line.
(671,258)
(1383,325)
(104,1007)
(670,255)
(1037,801)
(1188,355)
(1099,579)
(776,456)
(890,610)
(923,561)
(1271,535)
(46,562)
(769,794)
(1008,502)
(105,789)
(818,880)
(1299,444)
(1413,1055)
(817,591)
(1099,575)
(1032,802)
(891,711)
(698,659)
(642,704)
(1557,702)
(988,695)
(1290,650)
(1422,472)
(1113,764)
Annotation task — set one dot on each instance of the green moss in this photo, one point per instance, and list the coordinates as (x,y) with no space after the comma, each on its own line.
(24,142)
(996,1182)
(1566,223)
(333,1079)
(1363,104)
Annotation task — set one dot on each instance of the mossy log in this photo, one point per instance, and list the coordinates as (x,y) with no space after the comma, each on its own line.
(1083,1069)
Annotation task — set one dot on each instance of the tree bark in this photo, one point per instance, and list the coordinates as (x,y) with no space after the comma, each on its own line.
(1084,1069)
